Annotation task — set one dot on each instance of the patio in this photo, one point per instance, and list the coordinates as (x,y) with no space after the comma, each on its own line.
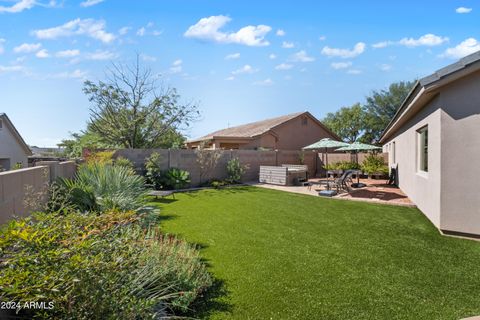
(376,190)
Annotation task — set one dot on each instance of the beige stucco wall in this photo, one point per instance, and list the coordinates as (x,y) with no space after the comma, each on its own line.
(422,188)
(460,203)
(10,148)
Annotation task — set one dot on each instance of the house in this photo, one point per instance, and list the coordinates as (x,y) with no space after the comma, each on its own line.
(13,149)
(288,132)
(434,141)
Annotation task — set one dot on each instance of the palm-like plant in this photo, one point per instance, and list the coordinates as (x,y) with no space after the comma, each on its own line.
(103,187)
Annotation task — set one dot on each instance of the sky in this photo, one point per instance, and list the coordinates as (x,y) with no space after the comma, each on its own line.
(241,61)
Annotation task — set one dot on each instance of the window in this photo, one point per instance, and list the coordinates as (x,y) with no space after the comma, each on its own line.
(422,152)
(1,124)
(304,121)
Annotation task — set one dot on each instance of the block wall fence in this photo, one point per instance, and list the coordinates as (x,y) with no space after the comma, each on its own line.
(21,190)
(253,159)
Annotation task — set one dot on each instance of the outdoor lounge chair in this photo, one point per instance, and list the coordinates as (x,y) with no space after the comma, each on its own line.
(341,182)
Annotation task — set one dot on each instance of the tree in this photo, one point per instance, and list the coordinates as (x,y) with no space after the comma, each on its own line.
(381,107)
(348,122)
(131,110)
(79,141)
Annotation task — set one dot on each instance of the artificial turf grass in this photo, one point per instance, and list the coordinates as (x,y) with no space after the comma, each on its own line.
(289,256)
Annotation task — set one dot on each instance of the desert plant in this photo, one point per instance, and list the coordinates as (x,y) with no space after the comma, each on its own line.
(175,178)
(103,187)
(105,261)
(153,170)
(207,161)
(235,170)
(343,165)
(104,157)
(123,162)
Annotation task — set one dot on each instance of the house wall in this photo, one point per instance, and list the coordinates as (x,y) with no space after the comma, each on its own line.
(460,117)
(10,148)
(293,135)
(424,189)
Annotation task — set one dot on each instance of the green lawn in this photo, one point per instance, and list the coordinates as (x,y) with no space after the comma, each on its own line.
(279,255)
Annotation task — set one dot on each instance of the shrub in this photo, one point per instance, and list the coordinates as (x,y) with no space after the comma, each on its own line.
(153,170)
(104,157)
(343,165)
(374,164)
(217,183)
(123,162)
(175,179)
(97,267)
(235,170)
(101,187)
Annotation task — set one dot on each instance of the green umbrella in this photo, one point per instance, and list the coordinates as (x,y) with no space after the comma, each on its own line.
(357,146)
(326,143)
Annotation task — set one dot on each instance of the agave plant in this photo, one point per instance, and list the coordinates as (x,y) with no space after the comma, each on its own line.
(102,187)
(176,178)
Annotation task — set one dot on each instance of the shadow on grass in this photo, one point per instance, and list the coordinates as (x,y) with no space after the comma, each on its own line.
(212,301)
(162,200)
(211,192)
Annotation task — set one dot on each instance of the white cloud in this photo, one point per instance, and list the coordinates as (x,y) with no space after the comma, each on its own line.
(209,29)
(463,49)
(231,78)
(385,67)
(322,38)
(123,31)
(358,49)
(245,69)
(429,40)
(2,49)
(148,58)
(287,45)
(302,56)
(382,44)
(89,3)
(101,55)
(232,56)
(463,10)
(176,66)
(19,6)
(5,69)
(354,71)
(42,54)
(89,27)
(341,65)
(75,74)
(27,47)
(266,82)
(280,33)
(67,53)
(141,32)
(272,56)
(284,66)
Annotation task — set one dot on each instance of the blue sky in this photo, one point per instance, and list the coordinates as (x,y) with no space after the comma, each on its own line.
(241,60)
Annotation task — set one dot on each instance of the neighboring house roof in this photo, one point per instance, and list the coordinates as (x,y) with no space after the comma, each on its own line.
(17,135)
(254,129)
(425,88)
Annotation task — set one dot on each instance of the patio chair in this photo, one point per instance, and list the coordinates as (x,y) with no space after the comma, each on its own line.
(341,182)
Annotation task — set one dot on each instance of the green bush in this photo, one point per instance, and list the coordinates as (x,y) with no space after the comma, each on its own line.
(175,179)
(101,187)
(343,165)
(374,164)
(235,170)
(97,267)
(123,162)
(153,170)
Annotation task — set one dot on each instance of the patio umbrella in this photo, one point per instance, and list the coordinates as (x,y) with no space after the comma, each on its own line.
(326,143)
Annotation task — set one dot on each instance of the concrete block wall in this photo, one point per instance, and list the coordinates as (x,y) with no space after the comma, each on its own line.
(21,190)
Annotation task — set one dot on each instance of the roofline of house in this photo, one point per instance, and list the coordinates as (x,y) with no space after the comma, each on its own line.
(429,85)
(269,130)
(16,133)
